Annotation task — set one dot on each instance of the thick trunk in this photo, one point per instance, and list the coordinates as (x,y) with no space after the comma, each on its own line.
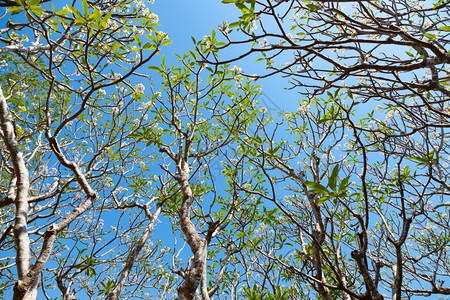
(371,288)
(317,261)
(21,238)
(199,246)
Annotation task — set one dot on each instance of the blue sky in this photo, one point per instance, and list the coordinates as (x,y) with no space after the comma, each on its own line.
(183,19)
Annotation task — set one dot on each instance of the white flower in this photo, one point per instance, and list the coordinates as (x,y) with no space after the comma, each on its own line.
(146,12)
(163,35)
(148,104)
(111,25)
(304,108)
(236,69)
(254,26)
(223,27)
(154,18)
(139,88)
(139,3)
(264,44)
(447,109)
(389,116)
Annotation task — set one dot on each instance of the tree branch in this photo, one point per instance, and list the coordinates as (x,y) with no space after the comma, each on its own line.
(20,230)
(115,293)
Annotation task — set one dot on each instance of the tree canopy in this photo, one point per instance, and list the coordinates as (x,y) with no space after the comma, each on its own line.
(124,176)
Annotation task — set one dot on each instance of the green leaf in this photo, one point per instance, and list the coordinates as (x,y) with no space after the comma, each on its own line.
(317,187)
(137,39)
(431,155)
(63,12)
(438,3)
(105,19)
(35,9)
(333,178)
(80,21)
(323,120)
(149,46)
(344,185)
(54,25)
(234,24)
(350,94)
(163,62)
(313,7)
(323,199)
(15,10)
(96,16)
(444,28)
(240,234)
(75,11)
(430,36)
(424,160)
(85,8)
(153,68)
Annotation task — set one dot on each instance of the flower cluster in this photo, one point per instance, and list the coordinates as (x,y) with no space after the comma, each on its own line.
(304,108)
(139,89)
(236,70)
(208,41)
(223,27)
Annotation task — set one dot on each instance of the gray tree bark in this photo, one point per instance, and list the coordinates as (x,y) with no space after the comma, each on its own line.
(21,238)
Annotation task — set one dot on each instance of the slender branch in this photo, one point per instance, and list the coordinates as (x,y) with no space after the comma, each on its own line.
(131,259)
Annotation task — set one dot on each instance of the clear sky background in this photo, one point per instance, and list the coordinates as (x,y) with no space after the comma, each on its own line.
(183,19)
